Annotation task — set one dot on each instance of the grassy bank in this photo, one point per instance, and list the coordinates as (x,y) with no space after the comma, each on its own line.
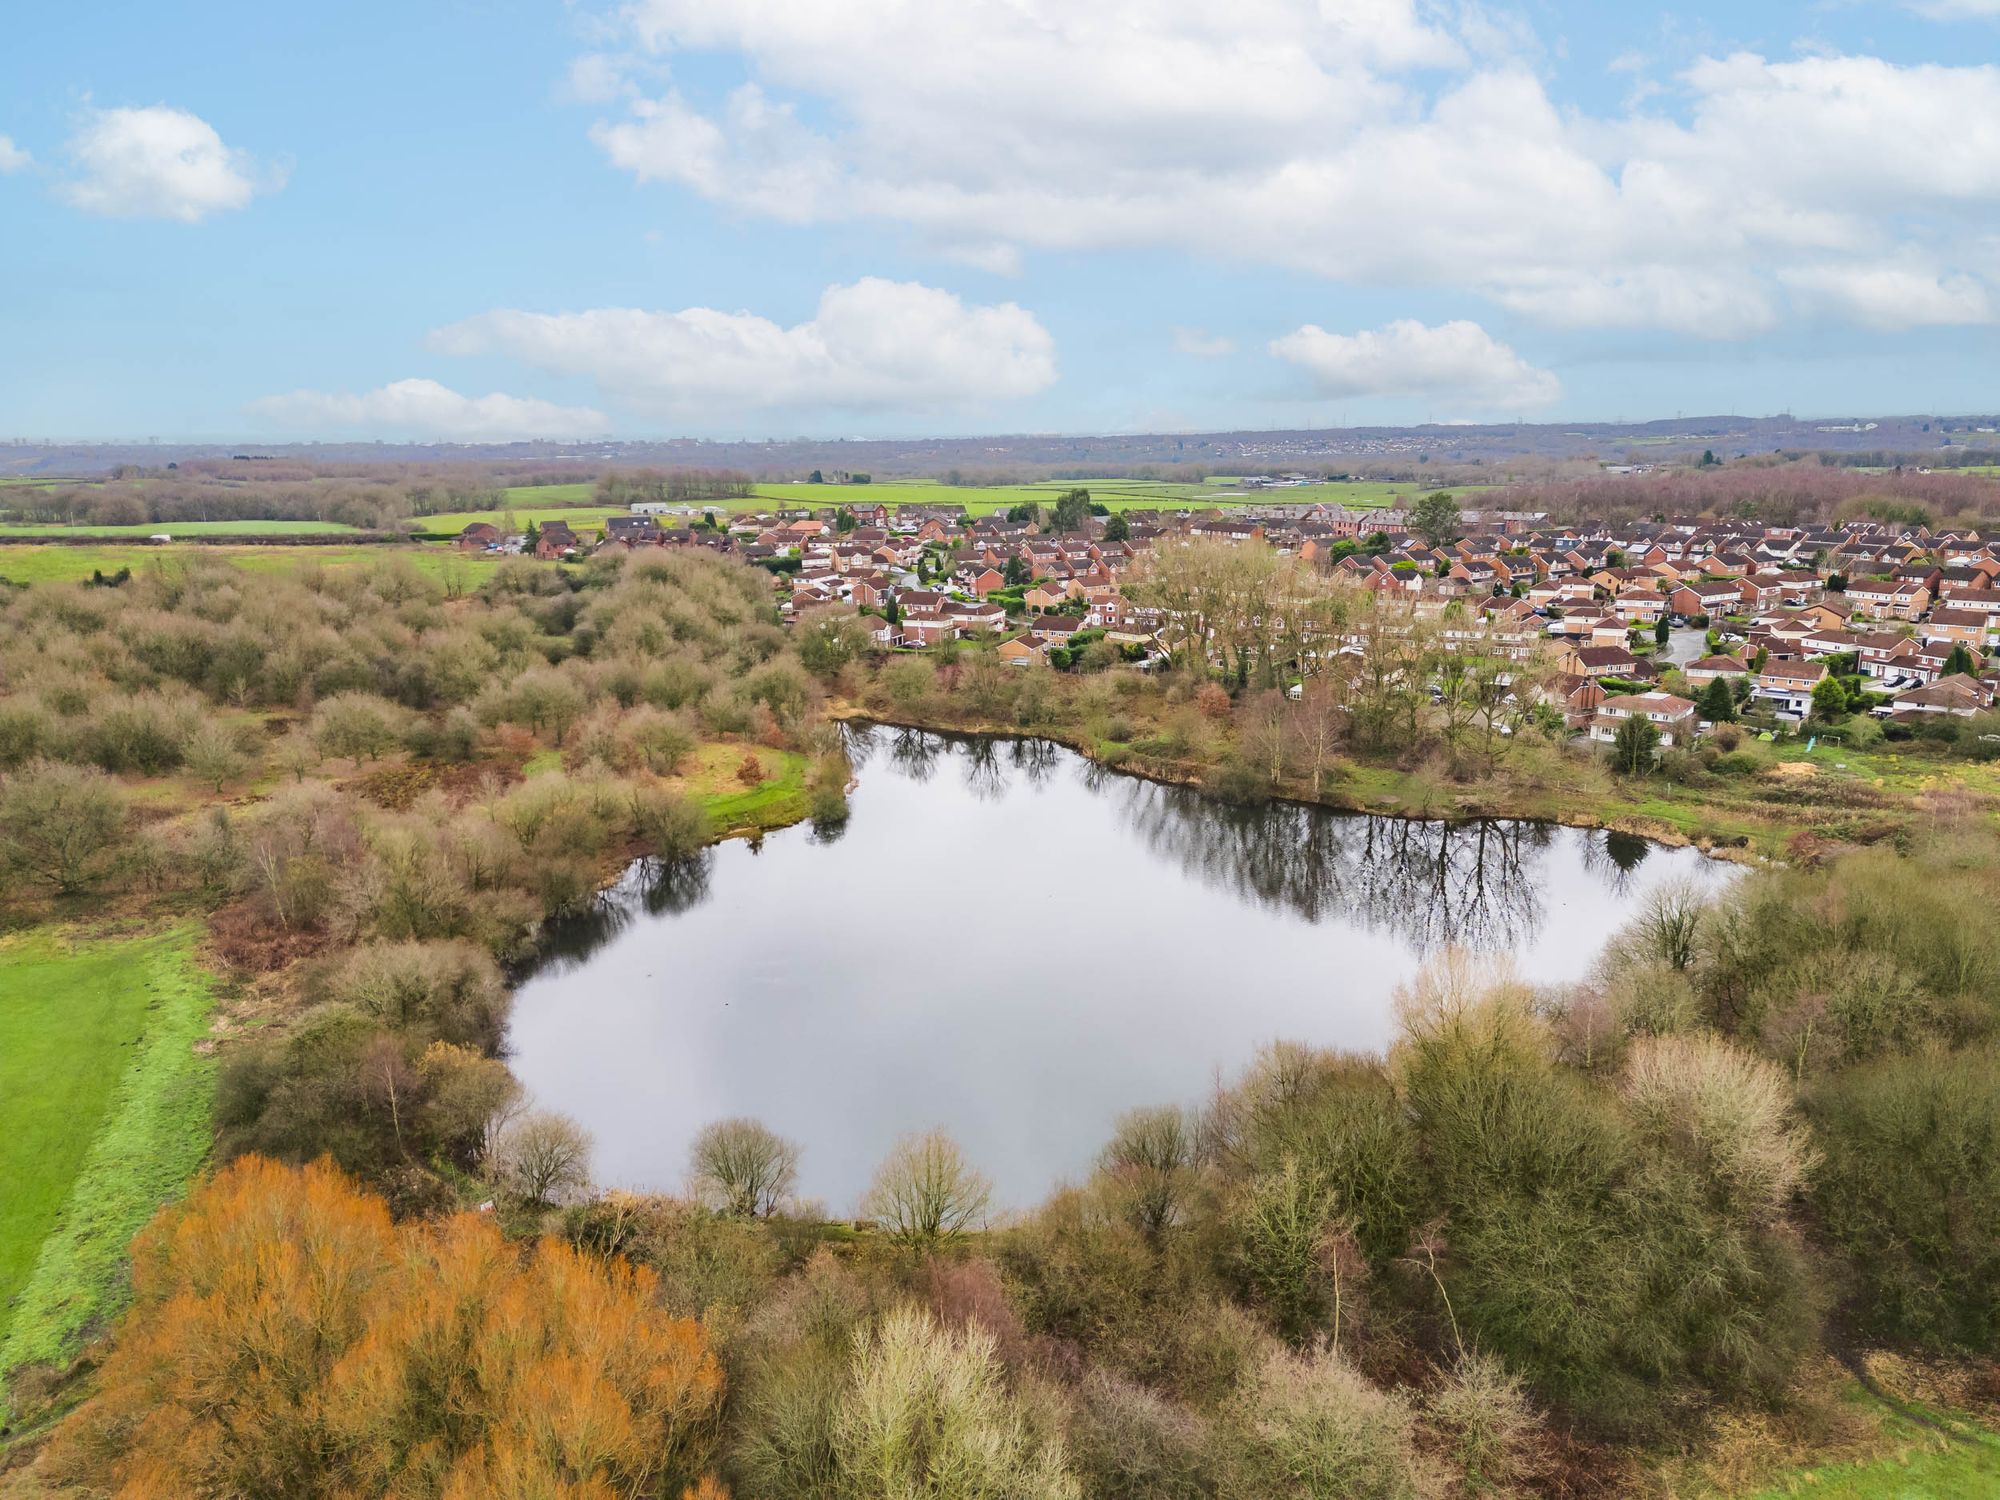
(104,1107)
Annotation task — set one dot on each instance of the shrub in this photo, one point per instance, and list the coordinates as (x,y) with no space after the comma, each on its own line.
(1910,1191)
(1283,1225)
(926,1413)
(671,826)
(1652,998)
(60,824)
(1614,1250)
(357,726)
(1316,1430)
(1150,1160)
(1728,1110)
(1337,1115)
(661,740)
(1127,1443)
(214,756)
(436,991)
(282,1326)
(1486,1421)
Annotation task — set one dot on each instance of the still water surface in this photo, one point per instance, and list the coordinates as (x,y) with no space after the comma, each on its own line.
(1012,943)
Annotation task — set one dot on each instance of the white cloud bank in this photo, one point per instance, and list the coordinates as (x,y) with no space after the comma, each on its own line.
(872,345)
(1456,361)
(1370,141)
(426,409)
(12,157)
(160,162)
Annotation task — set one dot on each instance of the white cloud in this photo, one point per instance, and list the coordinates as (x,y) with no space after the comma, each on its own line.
(160,162)
(12,157)
(1364,141)
(1956,10)
(1890,296)
(425,409)
(1203,345)
(872,345)
(1457,360)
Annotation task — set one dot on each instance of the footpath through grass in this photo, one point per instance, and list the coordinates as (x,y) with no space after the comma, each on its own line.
(104,1115)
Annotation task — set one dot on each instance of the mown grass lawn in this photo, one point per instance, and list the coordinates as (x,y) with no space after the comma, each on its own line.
(104,1114)
(1930,1468)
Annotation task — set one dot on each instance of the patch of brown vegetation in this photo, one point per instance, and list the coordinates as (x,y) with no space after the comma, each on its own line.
(242,937)
(399,787)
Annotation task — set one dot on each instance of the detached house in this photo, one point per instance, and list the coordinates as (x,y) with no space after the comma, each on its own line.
(1707,596)
(1701,673)
(1957,694)
(1672,715)
(1787,684)
(1603,661)
(555,539)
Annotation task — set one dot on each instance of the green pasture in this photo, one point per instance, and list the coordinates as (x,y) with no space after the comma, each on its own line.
(34,564)
(104,1114)
(182,528)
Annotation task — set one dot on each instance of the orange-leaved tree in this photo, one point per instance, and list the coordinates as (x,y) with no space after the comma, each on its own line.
(287,1339)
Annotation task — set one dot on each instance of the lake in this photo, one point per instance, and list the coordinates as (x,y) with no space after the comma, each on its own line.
(1012,943)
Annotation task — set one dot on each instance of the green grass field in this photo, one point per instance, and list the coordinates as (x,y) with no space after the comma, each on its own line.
(1926,1467)
(559,501)
(104,1114)
(31,564)
(184,528)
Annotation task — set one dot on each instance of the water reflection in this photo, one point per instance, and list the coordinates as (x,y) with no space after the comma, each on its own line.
(1008,941)
(1430,883)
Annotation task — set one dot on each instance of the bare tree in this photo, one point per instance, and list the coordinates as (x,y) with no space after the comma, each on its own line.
(544,1157)
(741,1167)
(926,1190)
(60,823)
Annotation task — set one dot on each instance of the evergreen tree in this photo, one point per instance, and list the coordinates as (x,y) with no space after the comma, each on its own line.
(1635,744)
(1436,519)
(1718,704)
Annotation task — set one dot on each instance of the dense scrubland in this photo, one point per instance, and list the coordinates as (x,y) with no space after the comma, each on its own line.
(1609,1239)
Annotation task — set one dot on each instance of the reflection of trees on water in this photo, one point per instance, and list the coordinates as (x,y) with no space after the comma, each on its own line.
(1613,857)
(986,769)
(1472,883)
(1036,760)
(915,753)
(651,887)
(1475,883)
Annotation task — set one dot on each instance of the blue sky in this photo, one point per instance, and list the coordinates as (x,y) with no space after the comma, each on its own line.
(783,217)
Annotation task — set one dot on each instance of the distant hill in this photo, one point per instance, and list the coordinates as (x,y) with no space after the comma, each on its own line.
(1924,438)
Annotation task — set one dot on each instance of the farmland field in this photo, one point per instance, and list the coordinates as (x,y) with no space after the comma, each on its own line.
(104,1109)
(559,502)
(31,564)
(183,528)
